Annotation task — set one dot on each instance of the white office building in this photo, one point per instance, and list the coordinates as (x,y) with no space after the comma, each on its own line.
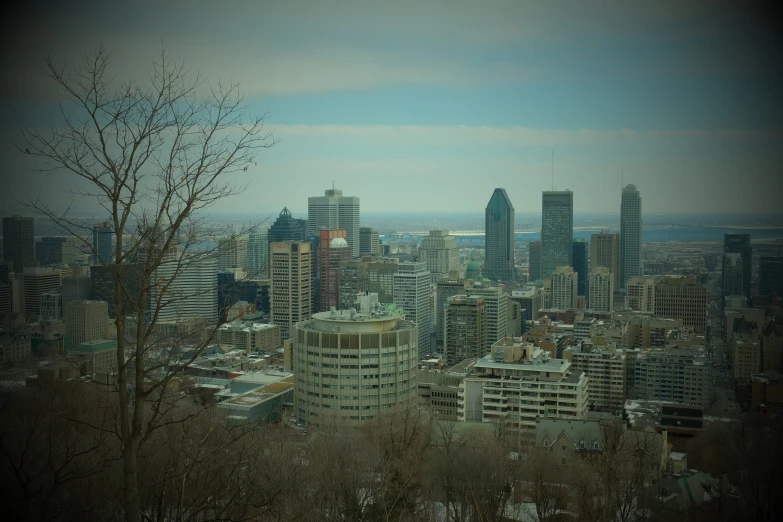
(412,294)
(440,252)
(185,287)
(334,211)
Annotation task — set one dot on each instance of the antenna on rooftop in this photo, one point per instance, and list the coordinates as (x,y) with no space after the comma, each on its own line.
(622,175)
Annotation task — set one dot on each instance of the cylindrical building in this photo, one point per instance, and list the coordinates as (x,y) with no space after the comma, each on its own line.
(352,367)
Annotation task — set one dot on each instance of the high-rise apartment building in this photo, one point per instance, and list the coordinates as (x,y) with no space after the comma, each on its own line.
(185,287)
(564,288)
(579,263)
(497,310)
(287,228)
(440,252)
(606,373)
(232,253)
(771,275)
(534,260)
(341,356)
(333,250)
(732,282)
(368,275)
(102,248)
(529,299)
(412,294)
(499,237)
(19,242)
(746,354)
(677,375)
(258,254)
(640,294)
(630,234)
(601,290)
(292,281)
(557,230)
(444,289)
(465,328)
(605,251)
(332,211)
(86,321)
(38,281)
(740,244)
(369,242)
(678,297)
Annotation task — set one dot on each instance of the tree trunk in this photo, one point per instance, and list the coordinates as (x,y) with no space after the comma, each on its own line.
(132,500)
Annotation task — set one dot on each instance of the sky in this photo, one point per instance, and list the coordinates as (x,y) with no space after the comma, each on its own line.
(430,105)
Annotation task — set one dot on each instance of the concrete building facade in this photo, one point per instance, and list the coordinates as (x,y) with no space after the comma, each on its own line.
(497,310)
(605,251)
(465,328)
(335,211)
(412,295)
(291,284)
(564,288)
(601,287)
(440,252)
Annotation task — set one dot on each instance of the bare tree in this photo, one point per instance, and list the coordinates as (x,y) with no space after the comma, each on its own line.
(154,156)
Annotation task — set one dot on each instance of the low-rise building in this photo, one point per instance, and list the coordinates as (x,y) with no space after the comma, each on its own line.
(99,356)
(250,335)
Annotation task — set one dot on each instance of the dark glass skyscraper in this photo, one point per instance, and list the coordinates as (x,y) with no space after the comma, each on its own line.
(557,230)
(771,275)
(19,242)
(579,259)
(499,238)
(739,244)
(286,228)
(101,244)
(630,234)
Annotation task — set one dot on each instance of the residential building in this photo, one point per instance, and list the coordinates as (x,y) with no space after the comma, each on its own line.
(640,294)
(370,274)
(445,288)
(19,242)
(557,231)
(605,368)
(579,263)
(333,250)
(564,288)
(497,310)
(630,234)
(677,375)
(86,320)
(102,247)
(438,390)
(352,367)
(601,286)
(412,295)
(644,331)
(369,242)
(291,288)
(499,237)
(771,275)
(440,252)
(37,281)
(682,298)
(605,251)
(465,328)
(335,211)
(740,244)
(517,383)
(250,336)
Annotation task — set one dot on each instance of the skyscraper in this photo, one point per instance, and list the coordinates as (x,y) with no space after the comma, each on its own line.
(102,244)
(333,249)
(446,287)
(292,282)
(601,290)
(369,242)
(497,310)
(440,252)
(740,244)
(19,242)
(579,264)
(733,274)
(465,327)
(605,251)
(86,320)
(557,230)
(185,287)
(371,275)
(332,211)
(38,281)
(771,275)
(258,254)
(232,253)
(412,294)
(499,237)
(630,234)
(534,260)
(286,228)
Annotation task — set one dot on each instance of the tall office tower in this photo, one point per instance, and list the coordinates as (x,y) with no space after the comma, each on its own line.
(49,251)
(86,321)
(445,288)
(333,250)
(771,275)
(286,228)
(557,230)
(601,290)
(51,306)
(185,287)
(440,252)
(102,285)
(232,253)
(678,297)
(497,310)
(630,234)
(369,242)
(499,237)
(740,244)
(321,396)
(38,281)
(564,288)
(534,260)
(465,328)
(732,274)
(19,242)
(580,265)
(412,294)
(102,244)
(292,282)
(605,251)
(640,294)
(258,254)
(370,275)
(332,211)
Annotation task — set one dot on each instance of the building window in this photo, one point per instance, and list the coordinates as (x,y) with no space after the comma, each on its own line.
(563,448)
